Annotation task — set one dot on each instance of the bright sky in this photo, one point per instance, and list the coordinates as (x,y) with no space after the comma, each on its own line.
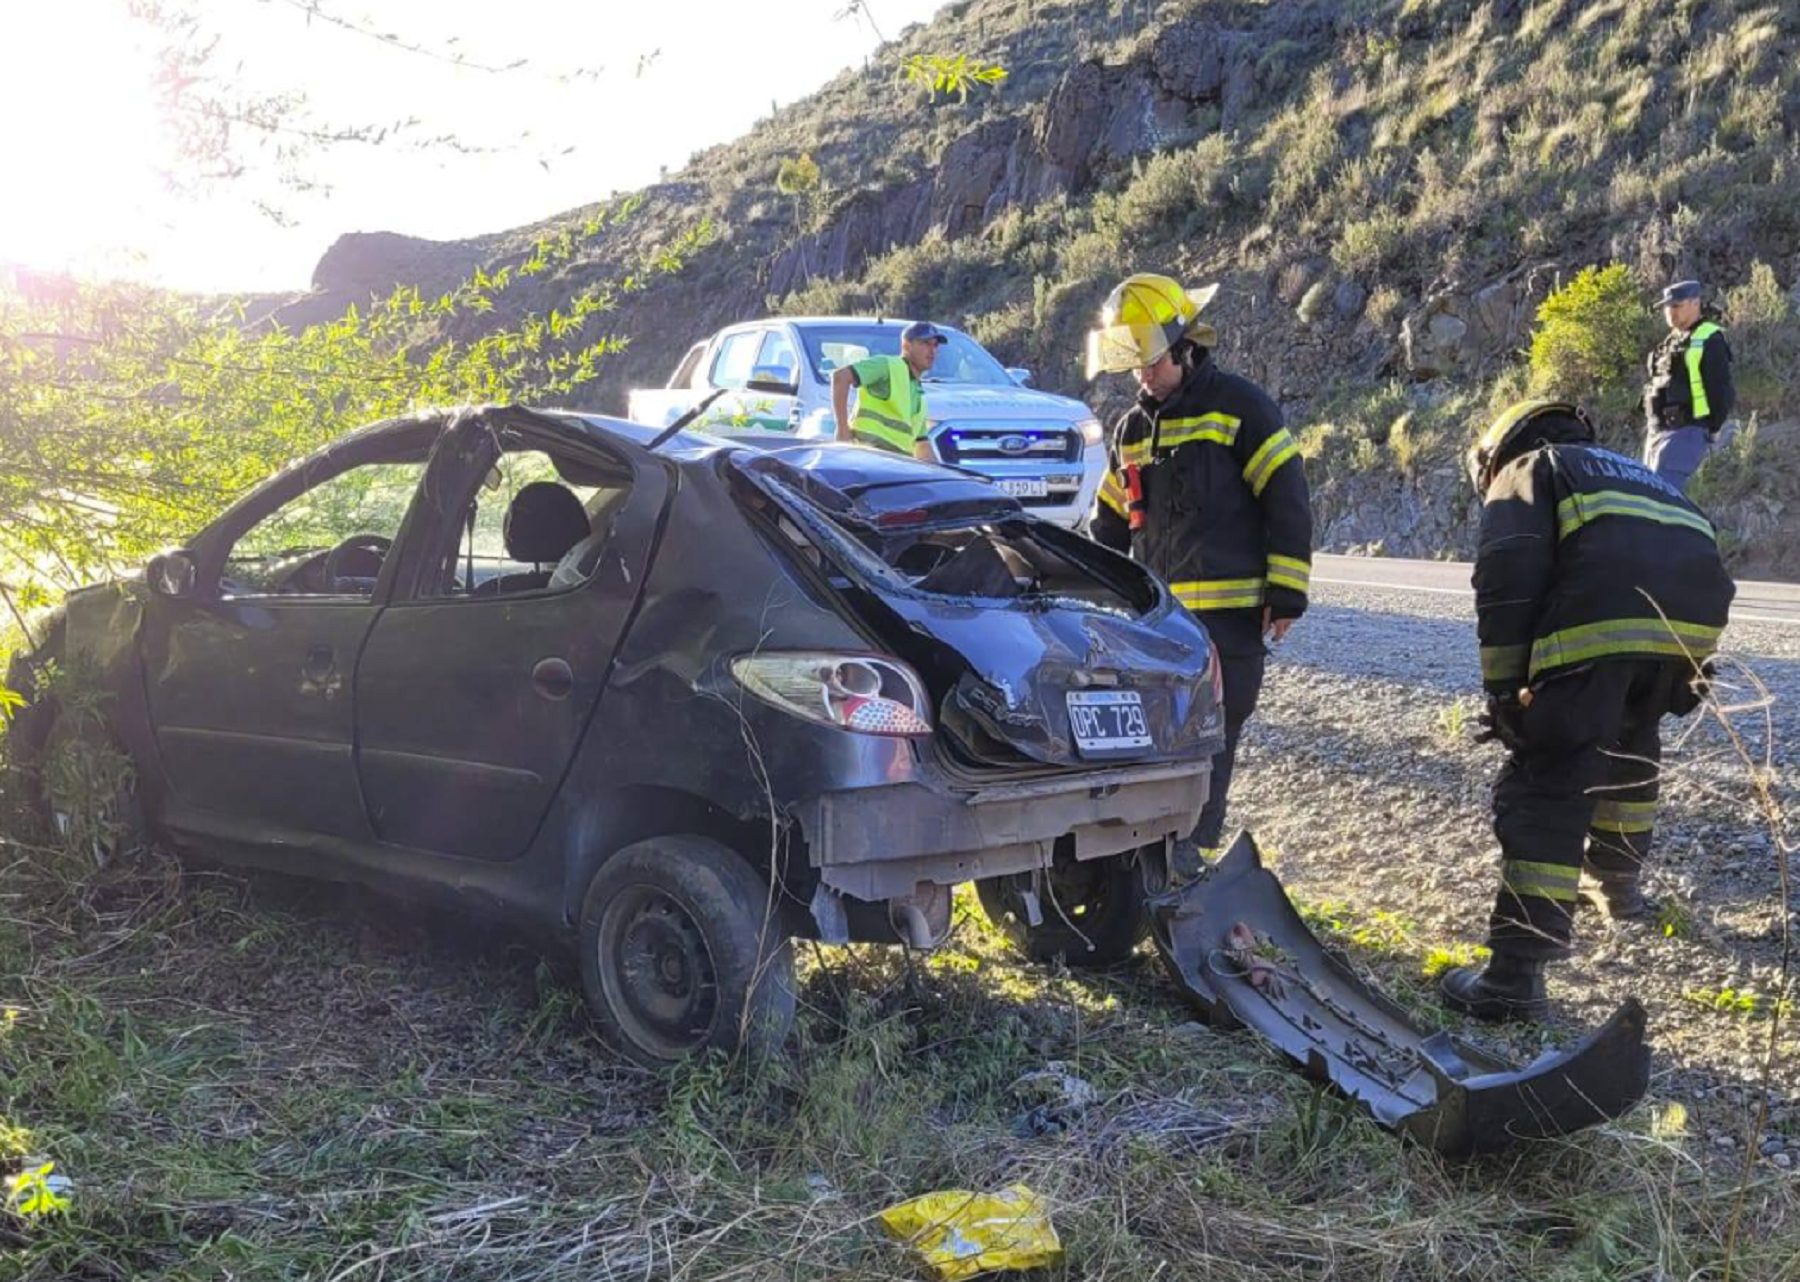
(83,149)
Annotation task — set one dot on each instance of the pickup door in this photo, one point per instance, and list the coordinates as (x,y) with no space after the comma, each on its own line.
(768,355)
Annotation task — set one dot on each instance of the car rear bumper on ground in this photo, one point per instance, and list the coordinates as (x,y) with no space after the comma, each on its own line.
(880,842)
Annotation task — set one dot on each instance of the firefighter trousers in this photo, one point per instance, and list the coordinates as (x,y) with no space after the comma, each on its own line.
(1242,675)
(1580,787)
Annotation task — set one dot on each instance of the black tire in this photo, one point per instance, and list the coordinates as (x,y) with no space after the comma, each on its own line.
(47,747)
(101,817)
(681,953)
(1102,901)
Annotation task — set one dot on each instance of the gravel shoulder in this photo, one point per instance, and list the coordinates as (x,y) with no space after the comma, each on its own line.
(1361,771)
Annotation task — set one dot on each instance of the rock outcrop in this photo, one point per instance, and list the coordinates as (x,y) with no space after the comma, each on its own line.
(1466,330)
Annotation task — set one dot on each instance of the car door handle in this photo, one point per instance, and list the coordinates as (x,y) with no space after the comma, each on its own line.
(553,678)
(321,662)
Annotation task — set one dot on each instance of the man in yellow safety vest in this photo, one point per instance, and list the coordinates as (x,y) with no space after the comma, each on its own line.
(890,398)
(1689,395)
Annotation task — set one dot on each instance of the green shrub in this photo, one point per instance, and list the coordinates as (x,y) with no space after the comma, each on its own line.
(1591,339)
(1764,333)
(1369,244)
(1160,198)
(1305,147)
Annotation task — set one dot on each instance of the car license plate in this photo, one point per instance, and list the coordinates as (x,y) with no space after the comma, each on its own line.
(1108,722)
(1024,487)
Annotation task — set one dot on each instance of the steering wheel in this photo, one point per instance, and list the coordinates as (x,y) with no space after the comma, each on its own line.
(351,558)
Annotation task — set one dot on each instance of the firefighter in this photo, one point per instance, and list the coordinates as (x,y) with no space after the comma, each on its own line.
(1206,488)
(1689,395)
(1599,592)
(890,398)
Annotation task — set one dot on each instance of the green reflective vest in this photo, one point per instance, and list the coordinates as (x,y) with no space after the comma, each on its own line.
(895,421)
(1696,348)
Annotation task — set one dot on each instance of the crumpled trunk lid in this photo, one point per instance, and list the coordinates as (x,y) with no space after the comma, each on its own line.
(936,564)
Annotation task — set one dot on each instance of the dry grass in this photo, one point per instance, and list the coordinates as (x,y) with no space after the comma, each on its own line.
(254,1082)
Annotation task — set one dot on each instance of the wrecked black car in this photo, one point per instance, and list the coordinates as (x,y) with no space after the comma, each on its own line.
(671,706)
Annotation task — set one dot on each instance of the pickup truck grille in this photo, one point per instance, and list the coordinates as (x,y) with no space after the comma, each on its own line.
(1009,444)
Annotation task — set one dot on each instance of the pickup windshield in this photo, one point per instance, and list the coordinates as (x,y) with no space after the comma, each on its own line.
(961,360)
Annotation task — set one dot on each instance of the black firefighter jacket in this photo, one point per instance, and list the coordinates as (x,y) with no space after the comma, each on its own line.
(1226,516)
(1585,556)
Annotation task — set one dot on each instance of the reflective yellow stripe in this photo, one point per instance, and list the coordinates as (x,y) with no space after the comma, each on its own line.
(1289,572)
(1219,594)
(1624,816)
(1546,881)
(1579,509)
(882,432)
(1222,429)
(1278,449)
(1696,350)
(1114,494)
(1504,662)
(1663,638)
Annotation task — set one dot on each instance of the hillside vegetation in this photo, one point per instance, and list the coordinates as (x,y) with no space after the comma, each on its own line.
(1387,189)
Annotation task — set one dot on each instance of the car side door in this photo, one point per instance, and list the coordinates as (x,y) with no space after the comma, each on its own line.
(470,703)
(732,367)
(248,670)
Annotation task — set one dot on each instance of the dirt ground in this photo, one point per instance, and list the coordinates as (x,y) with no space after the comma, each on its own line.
(1363,772)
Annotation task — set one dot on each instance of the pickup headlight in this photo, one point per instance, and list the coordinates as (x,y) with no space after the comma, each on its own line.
(861,693)
(1091,431)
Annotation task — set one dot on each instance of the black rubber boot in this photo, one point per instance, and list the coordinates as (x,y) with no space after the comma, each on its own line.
(1507,988)
(1618,895)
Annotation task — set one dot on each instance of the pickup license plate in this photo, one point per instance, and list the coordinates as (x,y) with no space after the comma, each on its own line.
(1108,722)
(1024,487)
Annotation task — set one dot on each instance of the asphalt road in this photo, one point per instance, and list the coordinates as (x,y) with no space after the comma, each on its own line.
(1757,602)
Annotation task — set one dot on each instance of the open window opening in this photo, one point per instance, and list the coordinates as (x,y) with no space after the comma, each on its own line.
(532,520)
(329,540)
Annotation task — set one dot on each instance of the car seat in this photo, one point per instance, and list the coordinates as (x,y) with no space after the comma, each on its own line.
(579,562)
(543,521)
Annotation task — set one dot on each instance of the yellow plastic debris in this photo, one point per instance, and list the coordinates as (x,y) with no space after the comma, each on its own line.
(961,1233)
(36,1191)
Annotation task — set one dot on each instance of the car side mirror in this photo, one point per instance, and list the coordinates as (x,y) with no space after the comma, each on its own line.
(1020,376)
(772,380)
(172,574)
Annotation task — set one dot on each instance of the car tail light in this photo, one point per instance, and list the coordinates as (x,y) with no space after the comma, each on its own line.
(902,519)
(1216,675)
(860,693)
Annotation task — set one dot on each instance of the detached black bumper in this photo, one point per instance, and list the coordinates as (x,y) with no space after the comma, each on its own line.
(879,842)
(1430,1086)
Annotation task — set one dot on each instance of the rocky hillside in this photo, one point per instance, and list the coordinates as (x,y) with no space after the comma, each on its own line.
(1386,189)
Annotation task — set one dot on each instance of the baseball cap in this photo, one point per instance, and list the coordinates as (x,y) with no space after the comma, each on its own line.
(1681,291)
(923,332)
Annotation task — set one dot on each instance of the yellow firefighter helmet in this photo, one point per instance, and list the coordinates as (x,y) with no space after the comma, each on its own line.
(1517,429)
(1142,319)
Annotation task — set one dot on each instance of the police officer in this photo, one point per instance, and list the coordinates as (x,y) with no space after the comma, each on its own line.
(1689,395)
(1205,487)
(890,396)
(1598,591)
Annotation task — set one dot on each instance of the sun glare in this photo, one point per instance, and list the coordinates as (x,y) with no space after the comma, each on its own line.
(82,140)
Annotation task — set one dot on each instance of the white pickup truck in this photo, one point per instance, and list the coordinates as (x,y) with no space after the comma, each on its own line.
(1042,449)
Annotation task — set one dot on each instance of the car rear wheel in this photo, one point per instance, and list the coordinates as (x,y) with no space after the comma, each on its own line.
(1093,912)
(682,952)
